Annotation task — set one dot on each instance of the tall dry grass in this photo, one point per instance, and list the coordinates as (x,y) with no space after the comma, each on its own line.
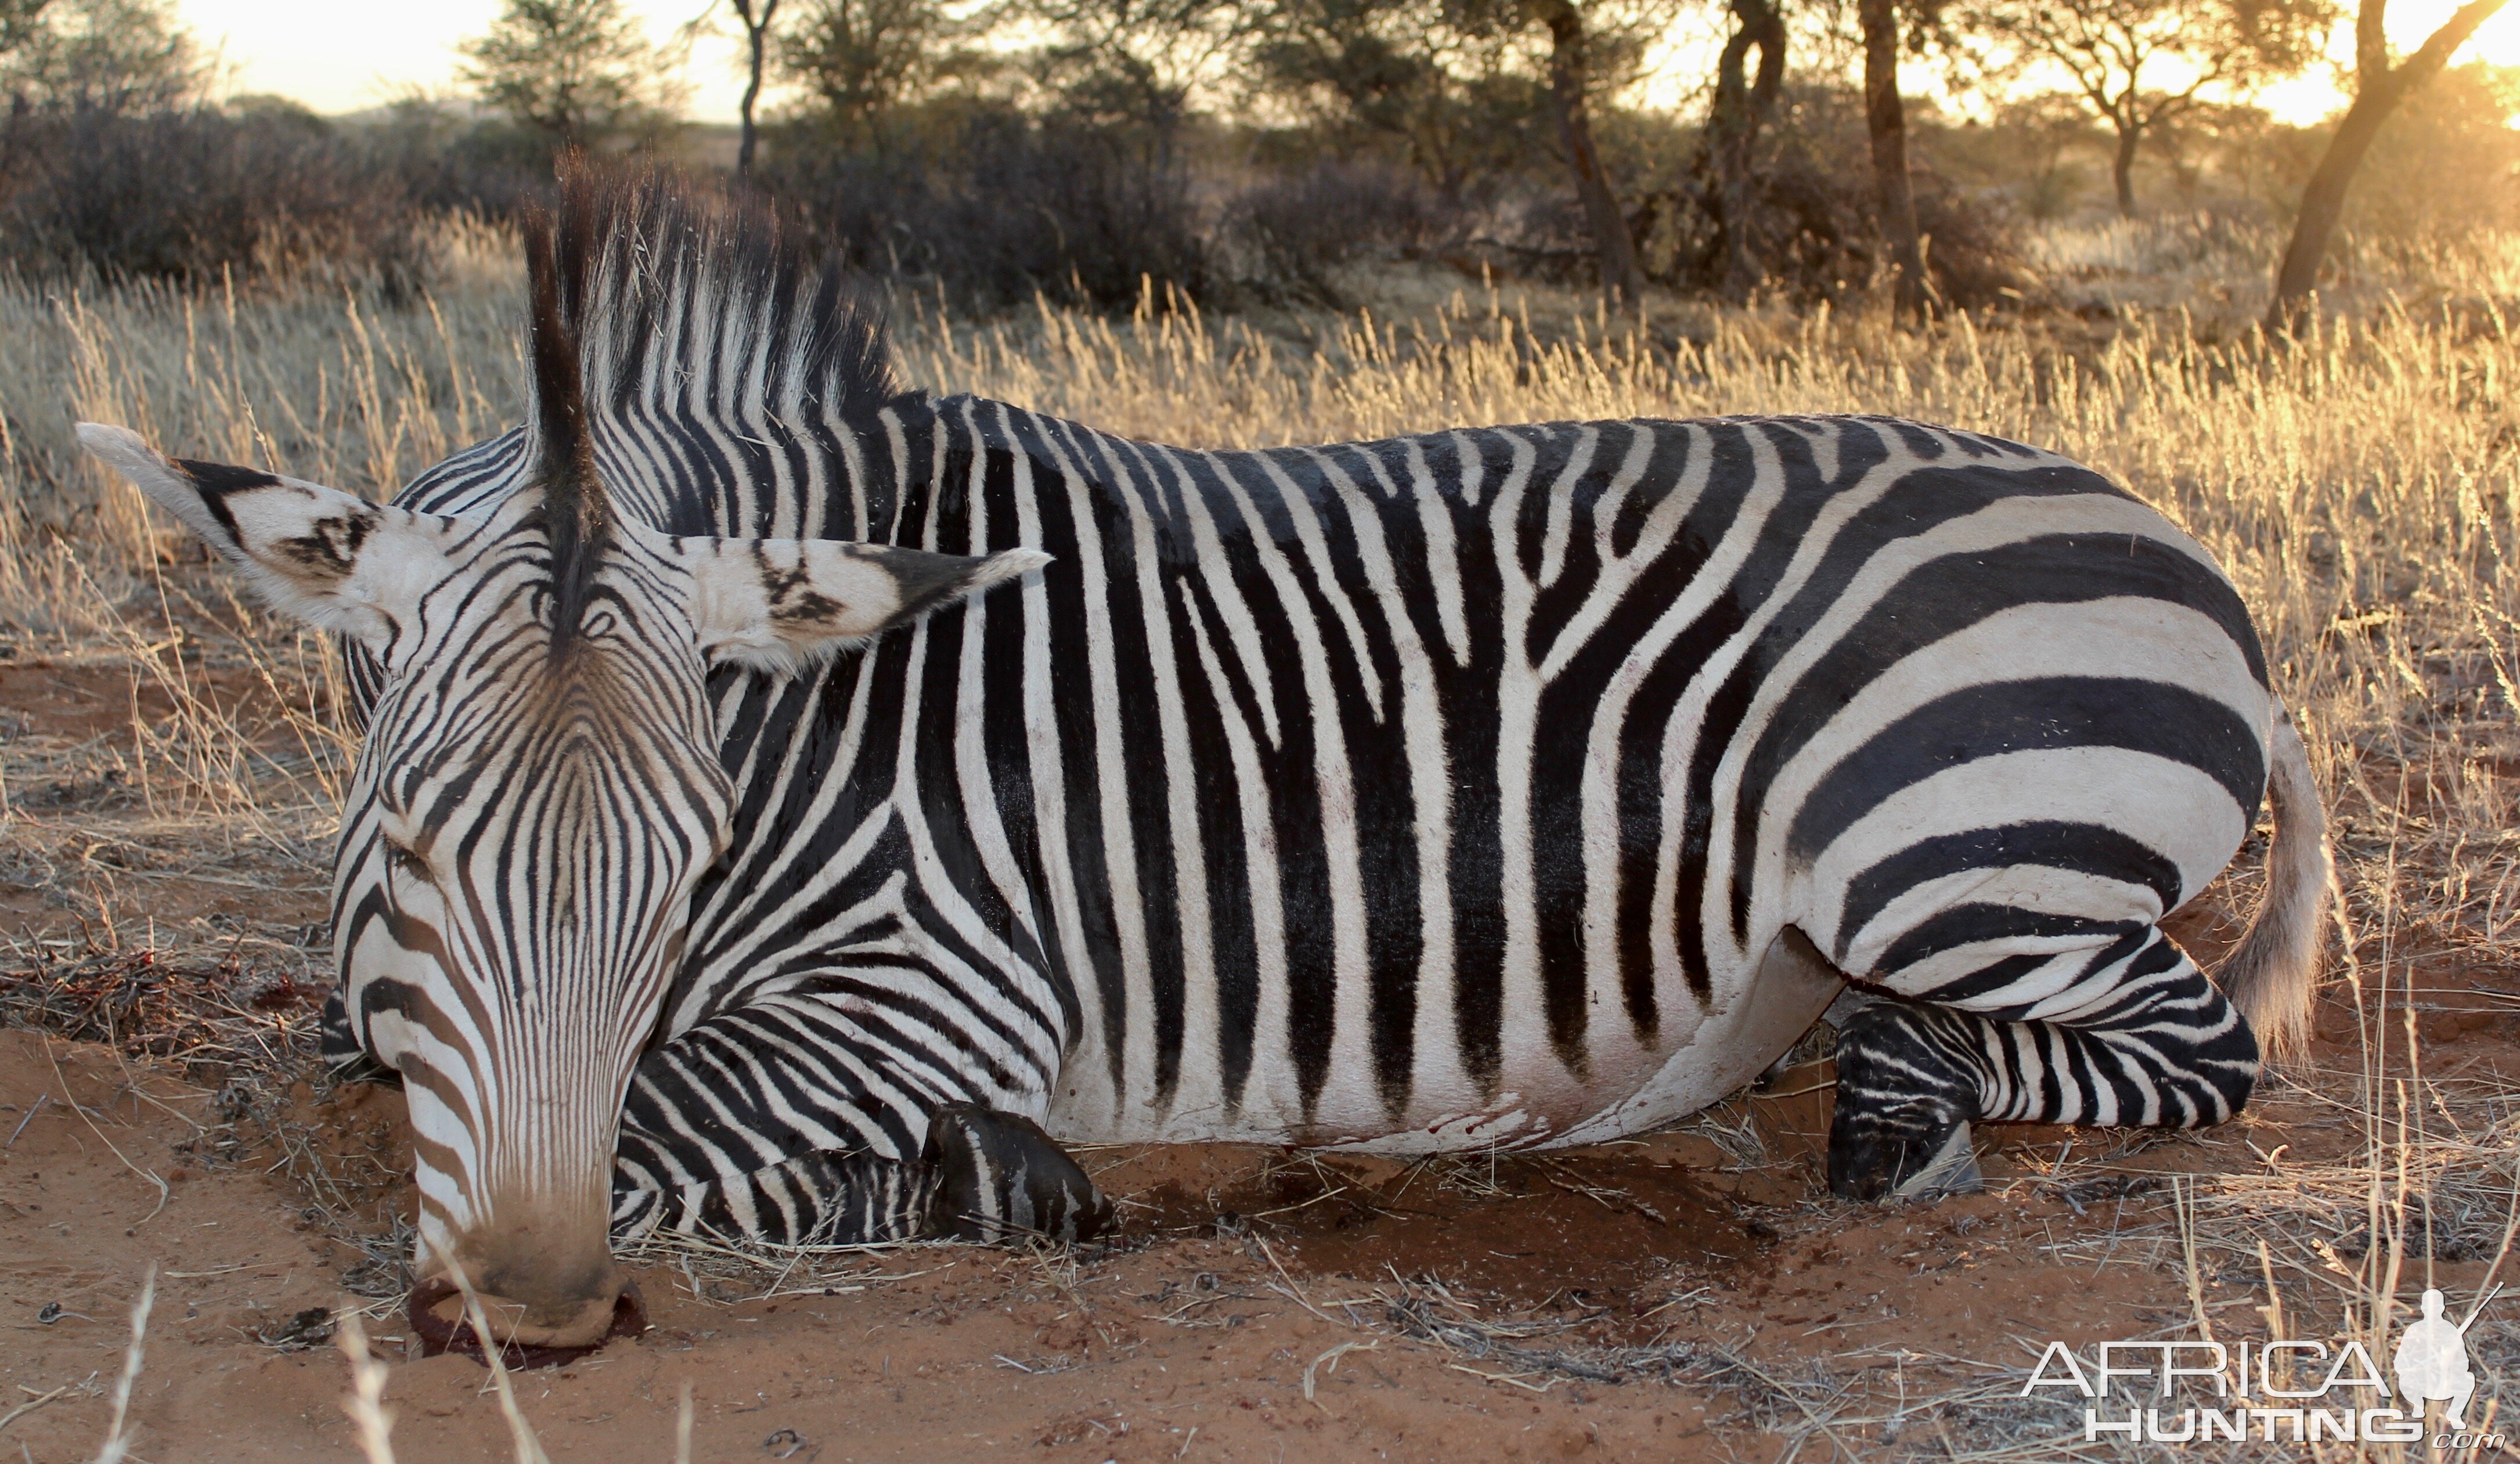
(2362,487)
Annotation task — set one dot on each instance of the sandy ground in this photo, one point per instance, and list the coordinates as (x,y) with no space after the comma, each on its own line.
(1696,1294)
(1244,1274)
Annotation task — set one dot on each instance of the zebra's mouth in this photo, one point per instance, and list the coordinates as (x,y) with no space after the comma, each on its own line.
(442,1334)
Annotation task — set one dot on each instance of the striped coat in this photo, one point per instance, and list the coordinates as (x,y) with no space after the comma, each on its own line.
(1434,793)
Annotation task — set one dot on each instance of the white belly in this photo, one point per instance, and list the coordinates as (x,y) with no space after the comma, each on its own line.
(1755,1017)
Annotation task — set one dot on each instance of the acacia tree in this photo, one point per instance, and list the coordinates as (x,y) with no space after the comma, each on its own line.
(1438,78)
(757,16)
(858,59)
(2141,64)
(575,70)
(18,22)
(1138,62)
(98,56)
(1570,79)
(1744,104)
(2379,86)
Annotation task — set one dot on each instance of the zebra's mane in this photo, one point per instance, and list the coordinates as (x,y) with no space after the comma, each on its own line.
(574,513)
(685,301)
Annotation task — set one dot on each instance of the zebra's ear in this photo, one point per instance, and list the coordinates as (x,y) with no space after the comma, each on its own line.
(780,604)
(328,558)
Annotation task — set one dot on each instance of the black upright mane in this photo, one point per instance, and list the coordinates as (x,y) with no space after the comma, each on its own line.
(654,299)
(651,262)
(574,514)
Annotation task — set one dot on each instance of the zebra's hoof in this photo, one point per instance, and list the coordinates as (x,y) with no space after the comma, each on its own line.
(1953,1171)
(1922,1159)
(1000,1177)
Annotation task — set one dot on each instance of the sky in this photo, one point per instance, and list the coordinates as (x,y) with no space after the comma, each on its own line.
(337,58)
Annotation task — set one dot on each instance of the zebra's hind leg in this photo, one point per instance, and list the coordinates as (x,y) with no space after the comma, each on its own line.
(997,1176)
(2140,1037)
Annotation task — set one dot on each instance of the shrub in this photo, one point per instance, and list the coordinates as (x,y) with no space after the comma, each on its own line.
(1813,224)
(1004,208)
(262,188)
(1285,235)
(195,196)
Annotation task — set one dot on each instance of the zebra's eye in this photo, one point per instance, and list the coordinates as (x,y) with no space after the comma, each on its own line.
(404,860)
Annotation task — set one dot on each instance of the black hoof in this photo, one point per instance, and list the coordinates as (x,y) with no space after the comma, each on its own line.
(1911,1155)
(1900,1129)
(999,1177)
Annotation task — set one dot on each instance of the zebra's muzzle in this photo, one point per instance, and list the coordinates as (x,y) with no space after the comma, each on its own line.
(439,1334)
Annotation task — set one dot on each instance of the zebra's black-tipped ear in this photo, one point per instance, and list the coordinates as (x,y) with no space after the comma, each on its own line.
(328,558)
(778,605)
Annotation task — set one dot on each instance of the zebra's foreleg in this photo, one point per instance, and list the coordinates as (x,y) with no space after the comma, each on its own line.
(983,1174)
(2153,1044)
(813,1198)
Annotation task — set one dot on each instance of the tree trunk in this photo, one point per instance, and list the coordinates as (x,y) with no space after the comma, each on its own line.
(757,34)
(2122,166)
(1741,106)
(2378,89)
(1622,280)
(1885,116)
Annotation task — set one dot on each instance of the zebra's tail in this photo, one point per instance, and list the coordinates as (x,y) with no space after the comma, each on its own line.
(2273,975)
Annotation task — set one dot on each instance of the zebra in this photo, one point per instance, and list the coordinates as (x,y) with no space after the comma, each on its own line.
(795,807)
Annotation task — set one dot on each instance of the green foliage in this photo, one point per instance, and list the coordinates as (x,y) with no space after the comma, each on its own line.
(113,57)
(1455,99)
(18,19)
(2139,65)
(1134,63)
(577,72)
(859,61)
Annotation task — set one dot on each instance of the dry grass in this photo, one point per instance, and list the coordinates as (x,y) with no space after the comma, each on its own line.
(2363,488)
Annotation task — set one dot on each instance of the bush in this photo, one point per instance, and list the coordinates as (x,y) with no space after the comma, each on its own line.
(1284,234)
(1004,208)
(202,196)
(1812,222)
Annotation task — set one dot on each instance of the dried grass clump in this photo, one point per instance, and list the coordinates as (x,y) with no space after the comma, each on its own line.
(251,1010)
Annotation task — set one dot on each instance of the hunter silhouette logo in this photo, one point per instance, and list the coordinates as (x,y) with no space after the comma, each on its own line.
(2283,1390)
(2431,1361)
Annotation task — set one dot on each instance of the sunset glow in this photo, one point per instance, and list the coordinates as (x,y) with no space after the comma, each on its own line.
(337,59)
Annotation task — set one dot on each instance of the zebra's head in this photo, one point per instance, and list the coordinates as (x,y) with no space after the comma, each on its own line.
(538,795)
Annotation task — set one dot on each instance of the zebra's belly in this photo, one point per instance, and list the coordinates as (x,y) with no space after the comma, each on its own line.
(1751,1018)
